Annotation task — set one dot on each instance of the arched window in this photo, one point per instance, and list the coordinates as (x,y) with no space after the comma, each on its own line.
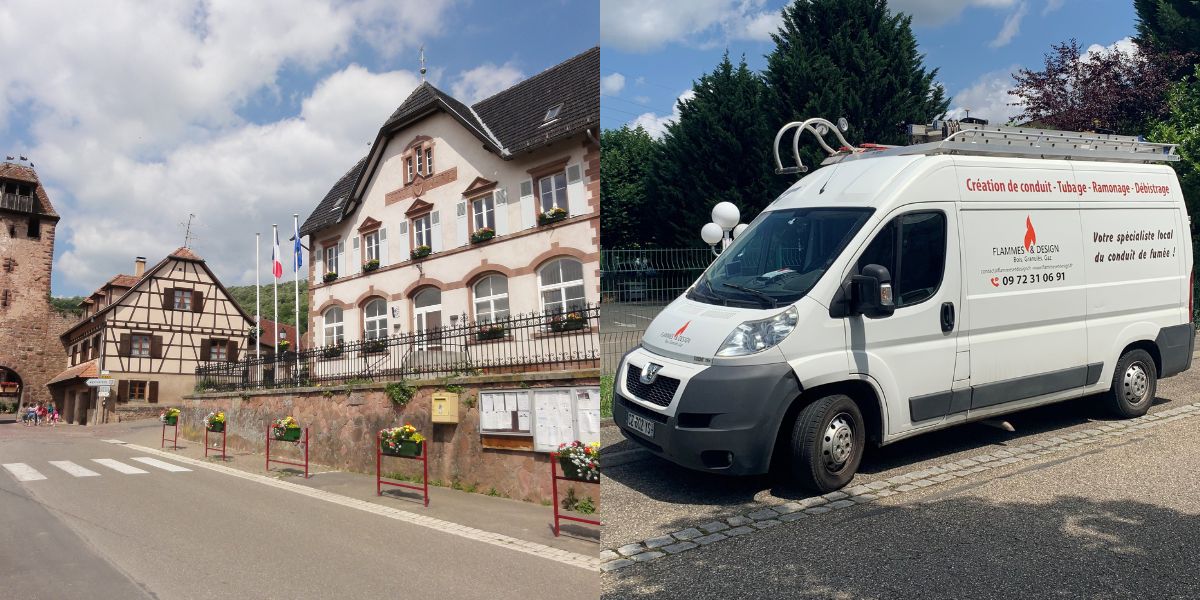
(375,325)
(427,316)
(334,334)
(560,283)
(491,299)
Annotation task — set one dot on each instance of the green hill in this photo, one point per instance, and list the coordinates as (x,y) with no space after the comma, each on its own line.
(244,296)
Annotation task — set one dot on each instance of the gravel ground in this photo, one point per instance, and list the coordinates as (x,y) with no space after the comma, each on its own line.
(647,497)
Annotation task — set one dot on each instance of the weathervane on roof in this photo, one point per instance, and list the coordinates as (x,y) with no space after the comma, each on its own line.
(188,236)
(422,63)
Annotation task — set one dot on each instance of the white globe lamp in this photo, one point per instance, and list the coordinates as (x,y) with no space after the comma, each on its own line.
(739,229)
(711,233)
(726,215)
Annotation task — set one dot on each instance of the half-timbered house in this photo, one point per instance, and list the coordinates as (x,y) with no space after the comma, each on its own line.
(149,331)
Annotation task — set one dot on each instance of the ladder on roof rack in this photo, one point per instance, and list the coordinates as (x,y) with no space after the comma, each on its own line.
(972,138)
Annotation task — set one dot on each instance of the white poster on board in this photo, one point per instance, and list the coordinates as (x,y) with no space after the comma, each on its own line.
(553,420)
(587,412)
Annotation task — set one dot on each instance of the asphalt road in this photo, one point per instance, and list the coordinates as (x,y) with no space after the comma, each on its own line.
(1117,519)
(200,534)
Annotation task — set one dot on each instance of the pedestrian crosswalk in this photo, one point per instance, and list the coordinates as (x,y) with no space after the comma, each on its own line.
(27,472)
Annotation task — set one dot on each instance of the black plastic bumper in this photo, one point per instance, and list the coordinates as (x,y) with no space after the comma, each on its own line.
(726,420)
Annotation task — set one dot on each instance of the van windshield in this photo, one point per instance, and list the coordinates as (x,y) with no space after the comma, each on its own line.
(780,257)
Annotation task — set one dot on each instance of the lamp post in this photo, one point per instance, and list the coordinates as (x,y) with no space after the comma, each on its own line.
(724,227)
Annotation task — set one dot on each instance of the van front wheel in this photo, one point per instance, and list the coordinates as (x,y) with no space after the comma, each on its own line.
(827,443)
(1134,384)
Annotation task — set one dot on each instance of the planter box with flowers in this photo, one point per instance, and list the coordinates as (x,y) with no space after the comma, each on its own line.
(285,430)
(580,461)
(375,346)
(553,215)
(169,416)
(482,235)
(331,352)
(370,265)
(330,276)
(420,252)
(571,321)
(401,441)
(490,332)
(283,354)
(215,422)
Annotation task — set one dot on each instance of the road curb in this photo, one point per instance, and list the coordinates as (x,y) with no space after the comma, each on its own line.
(767,515)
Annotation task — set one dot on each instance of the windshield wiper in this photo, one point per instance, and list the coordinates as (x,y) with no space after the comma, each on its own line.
(771,303)
(710,294)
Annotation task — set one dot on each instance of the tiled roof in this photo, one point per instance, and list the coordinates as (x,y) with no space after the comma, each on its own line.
(427,97)
(329,211)
(85,370)
(27,174)
(185,253)
(126,281)
(516,114)
(288,331)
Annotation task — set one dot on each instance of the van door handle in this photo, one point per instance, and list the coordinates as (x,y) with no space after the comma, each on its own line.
(947,316)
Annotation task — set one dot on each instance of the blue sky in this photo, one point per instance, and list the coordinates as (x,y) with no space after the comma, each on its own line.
(659,47)
(139,113)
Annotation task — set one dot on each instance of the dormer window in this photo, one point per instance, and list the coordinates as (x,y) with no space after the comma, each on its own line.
(552,114)
(418,159)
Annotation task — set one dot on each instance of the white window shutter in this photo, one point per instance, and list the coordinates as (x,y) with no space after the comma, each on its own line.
(341,258)
(402,241)
(354,246)
(436,231)
(576,202)
(528,209)
(501,211)
(383,247)
(461,224)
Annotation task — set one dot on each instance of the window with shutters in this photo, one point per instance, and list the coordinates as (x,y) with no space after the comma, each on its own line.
(138,390)
(182,299)
(139,346)
(331,259)
(422,231)
(218,350)
(371,246)
(483,213)
(553,191)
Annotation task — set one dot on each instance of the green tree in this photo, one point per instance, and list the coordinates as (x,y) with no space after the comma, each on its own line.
(244,296)
(625,156)
(1168,26)
(1182,127)
(718,150)
(853,59)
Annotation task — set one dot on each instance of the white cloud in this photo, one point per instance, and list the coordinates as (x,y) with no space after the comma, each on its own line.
(1124,45)
(612,84)
(1051,6)
(133,116)
(934,13)
(987,98)
(656,125)
(1011,27)
(485,80)
(646,25)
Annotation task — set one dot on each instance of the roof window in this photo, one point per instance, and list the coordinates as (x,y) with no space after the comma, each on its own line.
(552,114)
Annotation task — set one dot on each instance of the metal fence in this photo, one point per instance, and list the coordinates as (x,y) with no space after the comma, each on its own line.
(533,342)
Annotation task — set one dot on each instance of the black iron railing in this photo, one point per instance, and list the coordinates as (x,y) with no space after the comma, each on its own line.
(534,342)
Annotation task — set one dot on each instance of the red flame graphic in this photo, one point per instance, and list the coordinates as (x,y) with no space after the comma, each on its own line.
(682,329)
(1030,235)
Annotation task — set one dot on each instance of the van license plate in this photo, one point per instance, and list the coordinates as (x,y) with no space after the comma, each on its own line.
(640,424)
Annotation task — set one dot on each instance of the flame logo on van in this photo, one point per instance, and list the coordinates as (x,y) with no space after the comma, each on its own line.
(1030,234)
(682,329)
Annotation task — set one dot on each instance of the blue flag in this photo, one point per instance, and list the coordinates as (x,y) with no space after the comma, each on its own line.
(299,262)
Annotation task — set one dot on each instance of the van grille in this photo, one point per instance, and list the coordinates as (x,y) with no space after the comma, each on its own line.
(661,392)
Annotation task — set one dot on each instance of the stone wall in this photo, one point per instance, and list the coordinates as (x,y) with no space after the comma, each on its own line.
(29,327)
(344,421)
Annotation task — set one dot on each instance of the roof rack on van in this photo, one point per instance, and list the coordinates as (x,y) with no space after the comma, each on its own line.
(818,127)
(993,140)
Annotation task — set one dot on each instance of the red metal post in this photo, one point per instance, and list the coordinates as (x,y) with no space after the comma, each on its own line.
(164,435)
(175,442)
(554,487)
(378,465)
(268,465)
(425,471)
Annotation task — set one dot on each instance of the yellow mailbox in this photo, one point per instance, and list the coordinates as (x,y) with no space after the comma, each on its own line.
(445,407)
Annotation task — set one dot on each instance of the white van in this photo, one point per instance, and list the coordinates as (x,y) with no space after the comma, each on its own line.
(907,289)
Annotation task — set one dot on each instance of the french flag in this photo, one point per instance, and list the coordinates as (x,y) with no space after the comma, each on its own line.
(276,266)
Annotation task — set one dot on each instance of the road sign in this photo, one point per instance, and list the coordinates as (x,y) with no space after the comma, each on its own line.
(101,382)
(103,393)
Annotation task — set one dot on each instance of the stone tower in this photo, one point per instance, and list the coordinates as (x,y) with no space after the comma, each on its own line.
(30,351)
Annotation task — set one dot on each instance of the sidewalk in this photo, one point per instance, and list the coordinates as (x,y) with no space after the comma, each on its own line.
(520,520)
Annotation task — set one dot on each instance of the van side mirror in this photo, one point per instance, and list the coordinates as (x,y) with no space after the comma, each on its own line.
(871,292)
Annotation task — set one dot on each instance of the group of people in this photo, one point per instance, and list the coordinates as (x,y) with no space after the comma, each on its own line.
(38,413)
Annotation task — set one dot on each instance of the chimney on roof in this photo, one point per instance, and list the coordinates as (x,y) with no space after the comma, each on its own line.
(139,266)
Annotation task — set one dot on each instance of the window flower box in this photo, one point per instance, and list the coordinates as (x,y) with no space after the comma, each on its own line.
(569,322)
(580,461)
(375,346)
(285,430)
(215,422)
(330,276)
(421,252)
(370,265)
(330,352)
(169,416)
(401,441)
(482,235)
(553,215)
(490,332)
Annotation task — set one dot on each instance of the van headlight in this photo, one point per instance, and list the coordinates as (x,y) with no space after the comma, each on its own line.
(756,336)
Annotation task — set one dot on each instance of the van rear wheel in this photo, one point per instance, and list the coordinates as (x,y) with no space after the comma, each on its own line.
(1134,383)
(827,443)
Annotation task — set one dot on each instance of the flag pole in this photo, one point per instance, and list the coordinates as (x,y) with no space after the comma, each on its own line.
(296,260)
(258,303)
(275,288)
